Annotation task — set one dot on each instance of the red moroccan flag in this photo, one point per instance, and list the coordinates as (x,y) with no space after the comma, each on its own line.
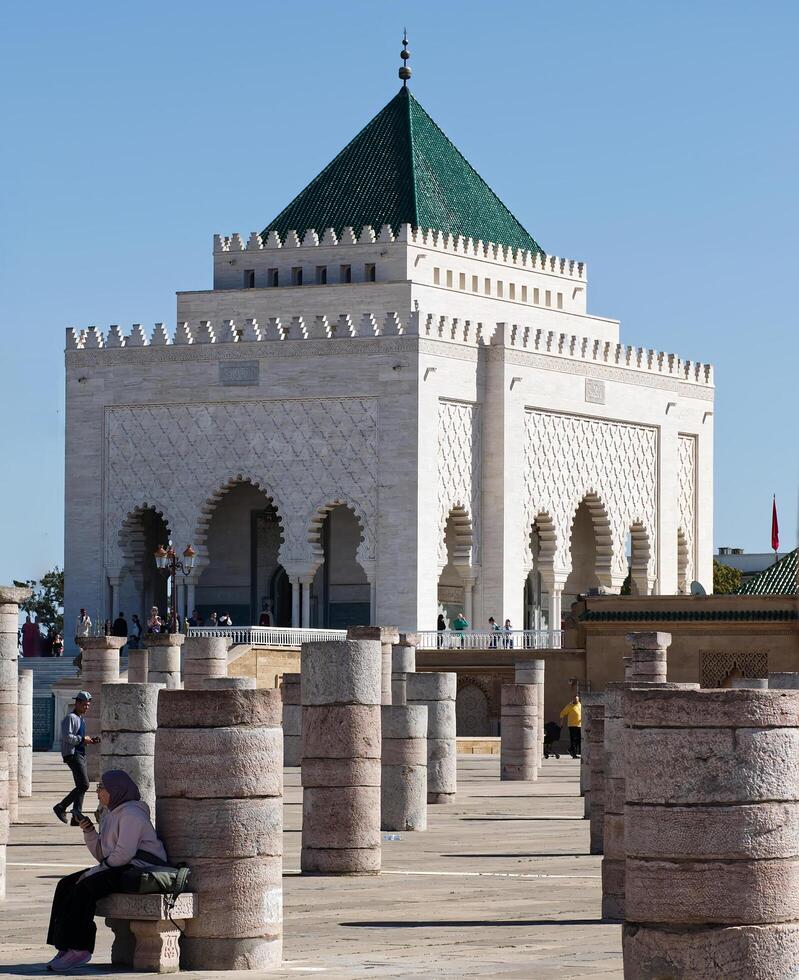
(775,527)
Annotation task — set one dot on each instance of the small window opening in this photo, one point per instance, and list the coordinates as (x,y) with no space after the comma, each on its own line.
(512,290)
(249,278)
(548,298)
(487,287)
(370,272)
(475,284)
(449,278)
(524,294)
(272,277)
(537,296)
(462,280)
(560,301)
(296,275)
(500,287)
(345,273)
(321,275)
(436,276)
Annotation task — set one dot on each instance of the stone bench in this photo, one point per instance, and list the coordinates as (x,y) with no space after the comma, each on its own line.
(144,936)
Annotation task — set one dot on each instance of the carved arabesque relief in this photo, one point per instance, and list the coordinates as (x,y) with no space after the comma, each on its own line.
(686,506)
(459,461)
(568,457)
(715,667)
(300,452)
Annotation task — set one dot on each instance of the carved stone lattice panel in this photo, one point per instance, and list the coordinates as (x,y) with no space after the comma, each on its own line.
(302,453)
(459,461)
(715,668)
(686,498)
(570,456)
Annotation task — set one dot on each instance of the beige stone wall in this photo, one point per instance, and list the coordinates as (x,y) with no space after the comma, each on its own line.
(266,665)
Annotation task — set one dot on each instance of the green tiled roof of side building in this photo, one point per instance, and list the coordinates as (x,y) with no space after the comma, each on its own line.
(779,579)
(402,169)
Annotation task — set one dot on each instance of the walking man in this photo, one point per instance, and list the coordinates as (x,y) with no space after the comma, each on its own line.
(573,713)
(73,750)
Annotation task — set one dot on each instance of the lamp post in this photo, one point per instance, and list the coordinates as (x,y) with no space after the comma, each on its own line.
(167,561)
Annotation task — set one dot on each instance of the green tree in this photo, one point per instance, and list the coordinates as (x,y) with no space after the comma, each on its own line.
(47,599)
(725,579)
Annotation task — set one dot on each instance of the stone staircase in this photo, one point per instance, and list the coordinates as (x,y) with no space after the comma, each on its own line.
(47,670)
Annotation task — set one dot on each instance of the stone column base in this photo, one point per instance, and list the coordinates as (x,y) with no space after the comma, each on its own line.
(151,946)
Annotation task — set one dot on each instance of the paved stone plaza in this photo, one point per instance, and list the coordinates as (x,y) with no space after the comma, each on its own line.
(500,884)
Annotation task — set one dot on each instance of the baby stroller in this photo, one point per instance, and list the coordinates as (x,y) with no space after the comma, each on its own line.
(551,736)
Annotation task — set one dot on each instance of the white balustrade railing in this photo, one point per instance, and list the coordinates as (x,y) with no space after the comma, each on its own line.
(490,639)
(268,636)
(280,636)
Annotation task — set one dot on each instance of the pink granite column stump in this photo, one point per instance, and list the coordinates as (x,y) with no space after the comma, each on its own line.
(596,776)
(129,722)
(99,666)
(403,662)
(203,657)
(754,683)
(438,691)
(229,684)
(520,733)
(403,780)
(5,821)
(163,659)
(388,636)
(341,734)
(533,672)
(10,598)
(219,788)
(25,734)
(786,680)
(292,720)
(137,666)
(648,659)
(712,834)
(589,700)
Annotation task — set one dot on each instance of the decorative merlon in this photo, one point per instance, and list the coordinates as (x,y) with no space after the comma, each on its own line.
(424,237)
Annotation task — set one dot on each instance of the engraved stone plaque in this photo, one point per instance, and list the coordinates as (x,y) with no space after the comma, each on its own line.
(595,391)
(238,372)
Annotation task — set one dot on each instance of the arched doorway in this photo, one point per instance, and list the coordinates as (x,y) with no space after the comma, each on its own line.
(542,543)
(340,592)
(242,537)
(583,547)
(141,585)
(455,580)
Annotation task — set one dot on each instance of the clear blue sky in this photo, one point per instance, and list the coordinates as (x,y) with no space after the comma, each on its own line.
(656,141)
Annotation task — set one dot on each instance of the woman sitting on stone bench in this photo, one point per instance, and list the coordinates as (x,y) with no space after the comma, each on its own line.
(127,840)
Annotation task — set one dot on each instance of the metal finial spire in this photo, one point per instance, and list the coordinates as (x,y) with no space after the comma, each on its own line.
(404,72)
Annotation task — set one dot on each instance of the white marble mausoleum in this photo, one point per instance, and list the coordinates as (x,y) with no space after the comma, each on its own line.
(392,401)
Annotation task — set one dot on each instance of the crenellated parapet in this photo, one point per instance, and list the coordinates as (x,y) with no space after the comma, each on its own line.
(428,238)
(521,337)
(448,329)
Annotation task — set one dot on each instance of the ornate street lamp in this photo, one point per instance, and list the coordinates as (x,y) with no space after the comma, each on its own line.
(167,562)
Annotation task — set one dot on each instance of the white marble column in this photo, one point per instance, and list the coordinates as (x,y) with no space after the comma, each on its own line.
(295,600)
(306,581)
(190,596)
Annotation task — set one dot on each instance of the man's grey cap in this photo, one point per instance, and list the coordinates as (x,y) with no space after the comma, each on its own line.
(83,696)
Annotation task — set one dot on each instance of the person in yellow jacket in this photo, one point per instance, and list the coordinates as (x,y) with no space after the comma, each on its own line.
(573,713)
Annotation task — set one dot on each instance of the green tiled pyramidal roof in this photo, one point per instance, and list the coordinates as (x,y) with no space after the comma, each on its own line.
(401,168)
(778,579)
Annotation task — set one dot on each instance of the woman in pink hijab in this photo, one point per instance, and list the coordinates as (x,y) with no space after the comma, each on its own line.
(127,840)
